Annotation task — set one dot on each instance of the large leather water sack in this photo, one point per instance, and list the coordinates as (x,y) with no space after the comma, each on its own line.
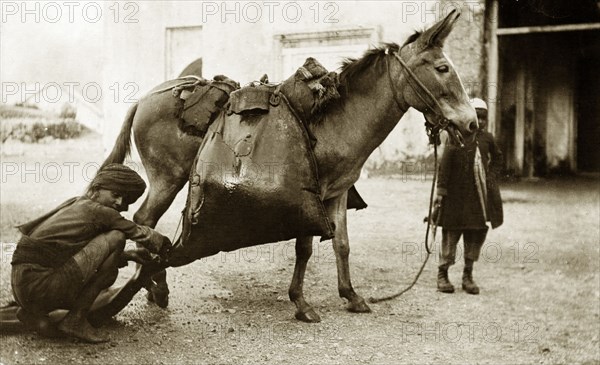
(254,181)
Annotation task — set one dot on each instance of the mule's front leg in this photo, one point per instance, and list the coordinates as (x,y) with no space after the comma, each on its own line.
(336,210)
(304,311)
(158,289)
(162,193)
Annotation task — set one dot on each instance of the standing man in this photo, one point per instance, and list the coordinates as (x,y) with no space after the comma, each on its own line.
(468,194)
(67,257)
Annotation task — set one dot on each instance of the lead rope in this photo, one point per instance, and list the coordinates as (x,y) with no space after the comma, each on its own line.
(177,229)
(435,163)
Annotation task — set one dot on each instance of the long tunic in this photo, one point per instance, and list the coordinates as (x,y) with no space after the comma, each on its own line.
(462,208)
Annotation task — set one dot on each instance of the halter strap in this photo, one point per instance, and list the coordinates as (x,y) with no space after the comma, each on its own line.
(440,122)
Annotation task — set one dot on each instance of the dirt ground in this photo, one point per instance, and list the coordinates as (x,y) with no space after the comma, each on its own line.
(539,279)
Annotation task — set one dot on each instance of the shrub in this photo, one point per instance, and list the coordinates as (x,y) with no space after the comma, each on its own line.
(38,131)
(68,111)
(32,131)
(26,105)
(65,130)
(26,111)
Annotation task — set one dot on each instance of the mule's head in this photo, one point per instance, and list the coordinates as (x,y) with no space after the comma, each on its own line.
(423,55)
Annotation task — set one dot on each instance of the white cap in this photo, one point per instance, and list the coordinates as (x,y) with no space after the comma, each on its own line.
(478,103)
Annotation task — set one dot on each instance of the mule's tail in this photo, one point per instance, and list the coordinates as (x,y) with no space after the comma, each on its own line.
(122,146)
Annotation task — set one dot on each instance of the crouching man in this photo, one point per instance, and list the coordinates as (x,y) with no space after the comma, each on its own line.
(67,257)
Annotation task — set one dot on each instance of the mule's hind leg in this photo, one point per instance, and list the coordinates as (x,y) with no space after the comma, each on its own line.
(336,210)
(304,311)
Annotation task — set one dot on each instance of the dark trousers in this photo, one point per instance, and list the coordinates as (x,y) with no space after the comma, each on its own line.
(473,241)
(41,289)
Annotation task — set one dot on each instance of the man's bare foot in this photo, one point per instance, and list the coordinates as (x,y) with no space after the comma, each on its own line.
(80,328)
(39,323)
(8,319)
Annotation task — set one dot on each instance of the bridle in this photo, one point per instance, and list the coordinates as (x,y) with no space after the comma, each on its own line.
(434,125)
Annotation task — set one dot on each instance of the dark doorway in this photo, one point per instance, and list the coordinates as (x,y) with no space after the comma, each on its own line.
(588,103)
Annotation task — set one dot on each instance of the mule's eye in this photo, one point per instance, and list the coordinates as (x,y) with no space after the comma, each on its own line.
(442,68)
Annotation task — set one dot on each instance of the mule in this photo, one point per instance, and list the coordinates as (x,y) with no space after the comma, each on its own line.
(376,90)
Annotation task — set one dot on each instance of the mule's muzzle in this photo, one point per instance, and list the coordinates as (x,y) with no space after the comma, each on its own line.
(472,127)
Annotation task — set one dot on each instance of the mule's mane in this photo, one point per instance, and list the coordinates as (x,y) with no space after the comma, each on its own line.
(353,69)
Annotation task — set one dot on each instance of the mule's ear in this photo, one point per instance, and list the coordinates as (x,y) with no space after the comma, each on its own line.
(436,35)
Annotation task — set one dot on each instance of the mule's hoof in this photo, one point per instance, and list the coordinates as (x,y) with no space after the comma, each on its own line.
(158,296)
(358,306)
(309,316)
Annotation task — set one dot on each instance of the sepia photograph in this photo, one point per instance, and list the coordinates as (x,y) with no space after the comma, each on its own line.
(302,182)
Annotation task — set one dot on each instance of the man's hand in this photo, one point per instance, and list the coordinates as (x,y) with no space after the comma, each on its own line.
(156,242)
(437,204)
(139,255)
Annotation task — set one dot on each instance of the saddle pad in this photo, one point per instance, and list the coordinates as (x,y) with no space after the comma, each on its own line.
(250,100)
(203,103)
(254,181)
